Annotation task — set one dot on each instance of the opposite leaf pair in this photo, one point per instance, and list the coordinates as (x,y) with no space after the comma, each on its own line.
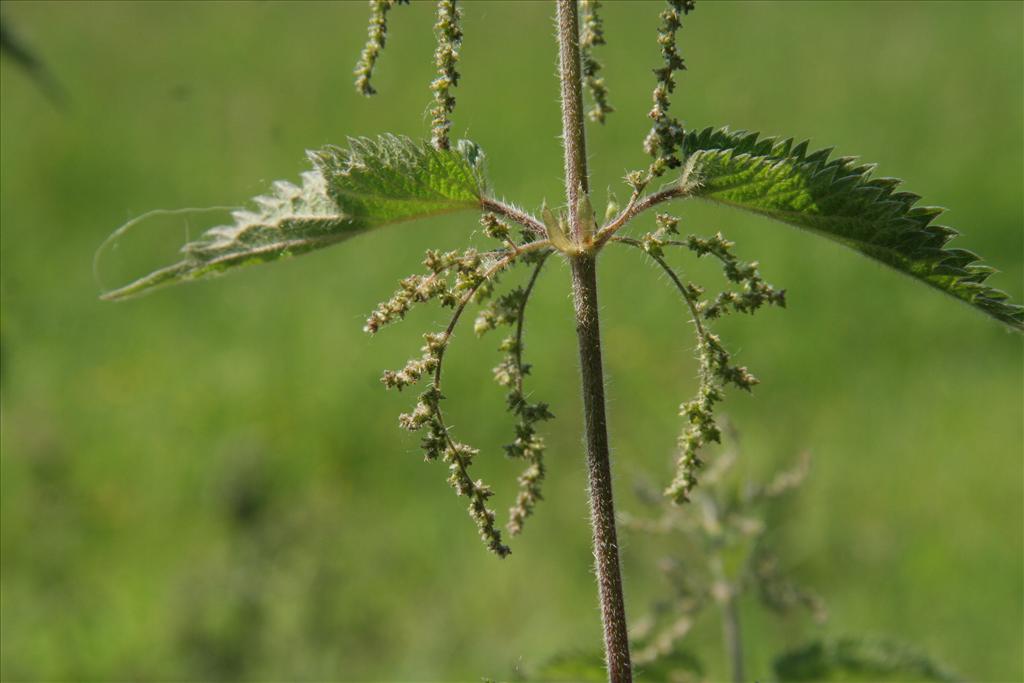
(376,182)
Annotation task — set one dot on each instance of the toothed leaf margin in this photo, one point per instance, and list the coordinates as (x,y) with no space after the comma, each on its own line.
(371,183)
(838,198)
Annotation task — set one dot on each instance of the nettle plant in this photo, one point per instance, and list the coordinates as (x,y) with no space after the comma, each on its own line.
(371,183)
(718,551)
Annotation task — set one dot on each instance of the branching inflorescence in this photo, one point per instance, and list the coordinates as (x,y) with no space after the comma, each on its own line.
(376,182)
(510,310)
(664,142)
(715,367)
(457,279)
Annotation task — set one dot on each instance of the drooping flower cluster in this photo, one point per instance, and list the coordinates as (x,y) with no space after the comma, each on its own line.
(456,279)
(665,139)
(715,371)
(715,367)
(377,36)
(591,36)
(509,309)
(446,56)
(437,443)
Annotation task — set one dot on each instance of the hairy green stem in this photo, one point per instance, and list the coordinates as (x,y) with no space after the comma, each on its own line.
(588,333)
(573,138)
(514,214)
(637,206)
(602,508)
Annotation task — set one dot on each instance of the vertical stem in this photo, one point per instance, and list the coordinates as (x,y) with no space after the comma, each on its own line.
(724,593)
(588,333)
(731,635)
(602,508)
(573,138)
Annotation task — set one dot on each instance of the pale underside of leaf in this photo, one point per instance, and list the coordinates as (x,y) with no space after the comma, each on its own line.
(840,200)
(369,184)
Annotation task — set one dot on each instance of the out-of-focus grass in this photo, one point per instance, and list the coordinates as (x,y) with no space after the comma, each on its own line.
(209,482)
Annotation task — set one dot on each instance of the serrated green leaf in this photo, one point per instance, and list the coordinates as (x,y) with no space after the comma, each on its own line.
(373,182)
(839,199)
(857,659)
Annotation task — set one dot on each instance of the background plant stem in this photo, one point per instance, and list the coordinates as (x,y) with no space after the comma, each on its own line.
(731,634)
(588,333)
(725,596)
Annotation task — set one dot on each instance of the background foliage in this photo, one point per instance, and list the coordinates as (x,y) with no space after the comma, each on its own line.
(210,482)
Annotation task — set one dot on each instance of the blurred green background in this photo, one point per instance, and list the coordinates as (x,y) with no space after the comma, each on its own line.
(209,483)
